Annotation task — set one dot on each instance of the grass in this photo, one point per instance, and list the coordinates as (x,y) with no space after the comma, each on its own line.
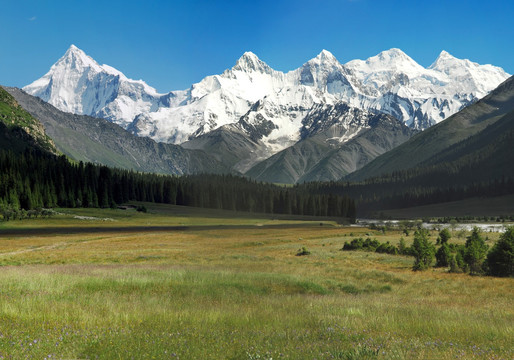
(234,293)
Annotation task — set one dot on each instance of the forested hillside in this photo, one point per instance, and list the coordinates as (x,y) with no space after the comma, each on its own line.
(35,179)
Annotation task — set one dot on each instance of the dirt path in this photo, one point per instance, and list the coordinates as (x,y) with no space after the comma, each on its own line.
(39,248)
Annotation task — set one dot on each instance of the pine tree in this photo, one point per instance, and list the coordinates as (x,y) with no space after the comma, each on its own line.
(444,236)
(422,250)
(443,255)
(476,251)
(500,259)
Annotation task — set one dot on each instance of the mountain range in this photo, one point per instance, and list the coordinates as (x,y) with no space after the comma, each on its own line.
(321,121)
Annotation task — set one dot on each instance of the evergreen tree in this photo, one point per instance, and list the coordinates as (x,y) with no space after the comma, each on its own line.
(500,259)
(459,259)
(476,251)
(422,250)
(443,255)
(445,236)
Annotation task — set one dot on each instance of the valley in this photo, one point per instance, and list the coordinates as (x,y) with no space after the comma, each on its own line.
(228,188)
(224,293)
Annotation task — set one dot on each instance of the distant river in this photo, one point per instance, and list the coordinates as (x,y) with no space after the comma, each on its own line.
(485,227)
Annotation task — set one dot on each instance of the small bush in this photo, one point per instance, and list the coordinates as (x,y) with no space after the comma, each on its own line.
(303,251)
(459,259)
(360,244)
(371,245)
(444,236)
(403,249)
(386,248)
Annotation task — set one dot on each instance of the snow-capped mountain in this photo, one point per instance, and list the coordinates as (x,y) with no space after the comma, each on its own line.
(395,84)
(79,85)
(252,93)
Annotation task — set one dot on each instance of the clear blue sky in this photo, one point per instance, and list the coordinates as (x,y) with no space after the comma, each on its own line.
(172,44)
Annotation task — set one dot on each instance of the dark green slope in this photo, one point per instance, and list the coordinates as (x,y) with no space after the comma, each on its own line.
(433,142)
(18,129)
(89,139)
(482,157)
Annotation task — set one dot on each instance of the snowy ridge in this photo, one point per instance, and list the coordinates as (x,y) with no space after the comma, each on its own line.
(78,84)
(270,105)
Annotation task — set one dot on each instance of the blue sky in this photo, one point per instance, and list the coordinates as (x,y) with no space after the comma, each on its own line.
(172,44)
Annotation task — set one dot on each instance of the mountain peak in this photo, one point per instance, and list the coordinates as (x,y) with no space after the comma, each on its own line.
(249,55)
(446,54)
(444,59)
(76,58)
(393,59)
(73,48)
(393,54)
(250,62)
(325,55)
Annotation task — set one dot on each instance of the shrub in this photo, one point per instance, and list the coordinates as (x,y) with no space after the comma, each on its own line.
(303,251)
(386,248)
(500,259)
(355,244)
(459,259)
(454,268)
(402,247)
(371,245)
(360,244)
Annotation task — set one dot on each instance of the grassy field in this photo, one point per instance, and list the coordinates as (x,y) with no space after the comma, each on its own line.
(237,291)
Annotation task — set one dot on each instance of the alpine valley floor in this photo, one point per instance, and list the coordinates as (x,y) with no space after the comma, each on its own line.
(234,293)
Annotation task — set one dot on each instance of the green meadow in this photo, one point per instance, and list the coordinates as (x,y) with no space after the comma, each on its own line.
(118,284)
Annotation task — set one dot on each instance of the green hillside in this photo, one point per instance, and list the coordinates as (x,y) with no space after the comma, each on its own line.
(18,129)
